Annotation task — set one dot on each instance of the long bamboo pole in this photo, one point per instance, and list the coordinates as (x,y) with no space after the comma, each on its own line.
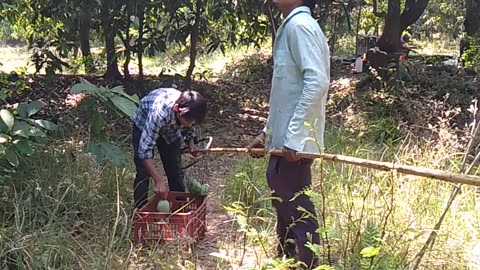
(377,165)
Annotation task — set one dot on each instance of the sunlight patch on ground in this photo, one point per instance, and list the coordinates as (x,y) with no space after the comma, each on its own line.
(14,58)
(343,82)
(436,47)
(209,65)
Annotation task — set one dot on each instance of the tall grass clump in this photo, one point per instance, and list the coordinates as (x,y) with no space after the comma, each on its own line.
(63,209)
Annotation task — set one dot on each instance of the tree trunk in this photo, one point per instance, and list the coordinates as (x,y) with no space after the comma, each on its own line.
(84,35)
(472,21)
(412,12)
(109,31)
(112,63)
(333,38)
(358,29)
(193,44)
(128,56)
(127,42)
(390,39)
(471,25)
(396,23)
(141,19)
(267,10)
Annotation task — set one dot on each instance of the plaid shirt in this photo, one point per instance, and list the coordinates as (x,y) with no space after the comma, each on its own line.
(155,117)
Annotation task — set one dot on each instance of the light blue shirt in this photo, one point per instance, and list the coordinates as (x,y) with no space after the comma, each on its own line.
(301,78)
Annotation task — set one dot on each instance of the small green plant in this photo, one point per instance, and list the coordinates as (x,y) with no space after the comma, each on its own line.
(281,264)
(18,133)
(8,85)
(121,101)
(117,101)
(248,185)
(370,246)
(43,57)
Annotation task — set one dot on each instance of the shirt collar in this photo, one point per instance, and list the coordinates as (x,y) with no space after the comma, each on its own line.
(298,9)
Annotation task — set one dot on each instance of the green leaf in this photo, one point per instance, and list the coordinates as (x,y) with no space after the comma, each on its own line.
(125,105)
(105,92)
(23,110)
(46,124)
(2,150)
(11,156)
(21,129)
(95,150)
(34,107)
(3,127)
(24,146)
(370,252)
(134,98)
(119,90)
(4,138)
(7,118)
(113,154)
(37,132)
(85,88)
(96,123)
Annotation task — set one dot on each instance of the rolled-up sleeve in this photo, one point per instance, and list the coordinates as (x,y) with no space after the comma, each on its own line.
(189,134)
(310,57)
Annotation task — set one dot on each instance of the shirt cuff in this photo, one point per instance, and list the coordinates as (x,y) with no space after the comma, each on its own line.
(145,155)
(293,142)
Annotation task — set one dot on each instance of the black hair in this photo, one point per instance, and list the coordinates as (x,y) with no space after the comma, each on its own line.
(196,105)
(310,3)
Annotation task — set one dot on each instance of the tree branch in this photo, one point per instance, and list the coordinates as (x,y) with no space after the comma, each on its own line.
(351,4)
(409,4)
(123,39)
(412,12)
(375,10)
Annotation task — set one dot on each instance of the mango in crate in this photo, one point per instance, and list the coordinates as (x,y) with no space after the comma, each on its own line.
(204,190)
(163,206)
(196,188)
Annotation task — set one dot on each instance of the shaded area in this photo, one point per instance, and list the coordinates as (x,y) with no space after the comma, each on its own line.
(424,94)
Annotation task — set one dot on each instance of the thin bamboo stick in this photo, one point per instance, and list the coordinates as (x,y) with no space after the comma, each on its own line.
(377,165)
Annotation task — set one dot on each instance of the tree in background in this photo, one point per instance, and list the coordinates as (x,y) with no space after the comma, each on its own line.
(397,21)
(128,30)
(441,18)
(472,19)
(469,47)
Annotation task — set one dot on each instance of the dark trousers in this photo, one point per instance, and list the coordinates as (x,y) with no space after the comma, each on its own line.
(287,179)
(171,160)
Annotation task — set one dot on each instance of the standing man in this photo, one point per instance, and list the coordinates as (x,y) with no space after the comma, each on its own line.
(301,78)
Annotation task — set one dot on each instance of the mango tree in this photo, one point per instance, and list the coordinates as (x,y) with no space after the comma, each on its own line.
(397,21)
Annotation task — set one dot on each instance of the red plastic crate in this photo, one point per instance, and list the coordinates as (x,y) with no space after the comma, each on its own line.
(187,219)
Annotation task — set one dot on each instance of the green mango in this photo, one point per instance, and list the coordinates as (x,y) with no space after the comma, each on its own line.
(204,190)
(196,188)
(163,206)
